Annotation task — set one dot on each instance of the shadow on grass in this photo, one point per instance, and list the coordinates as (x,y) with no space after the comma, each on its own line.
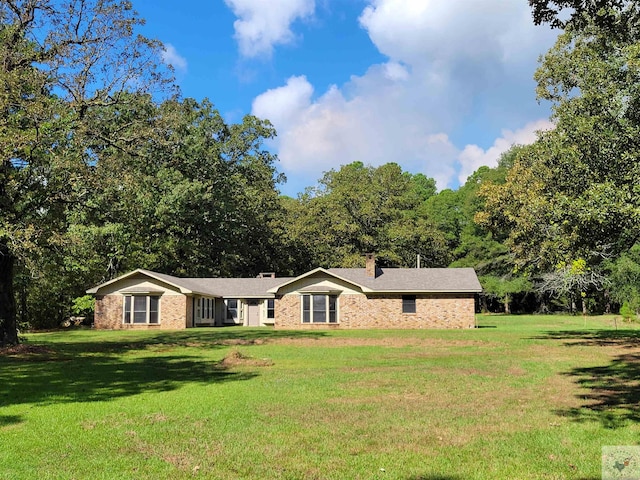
(596,338)
(122,341)
(88,369)
(613,390)
(6,420)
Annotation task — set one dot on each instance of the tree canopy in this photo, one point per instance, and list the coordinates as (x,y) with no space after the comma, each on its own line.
(105,167)
(573,194)
(61,63)
(359,209)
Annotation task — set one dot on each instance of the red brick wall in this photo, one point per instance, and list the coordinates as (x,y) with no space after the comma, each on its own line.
(173,313)
(385,311)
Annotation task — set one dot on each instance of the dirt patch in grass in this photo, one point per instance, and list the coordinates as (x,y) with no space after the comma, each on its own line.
(516,371)
(181,462)
(236,358)
(156,417)
(25,350)
(397,342)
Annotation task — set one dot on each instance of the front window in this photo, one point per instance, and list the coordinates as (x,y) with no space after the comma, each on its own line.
(142,309)
(204,308)
(319,309)
(271,308)
(233,309)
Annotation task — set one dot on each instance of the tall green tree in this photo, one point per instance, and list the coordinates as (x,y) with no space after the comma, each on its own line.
(574,193)
(218,193)
(481,248)
(197,197)
(59,62)
(359,209)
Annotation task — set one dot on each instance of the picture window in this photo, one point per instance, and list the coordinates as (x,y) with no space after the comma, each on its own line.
(141,309)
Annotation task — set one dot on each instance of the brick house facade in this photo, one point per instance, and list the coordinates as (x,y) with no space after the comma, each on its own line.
(357,298)
(385,311)
(110,310)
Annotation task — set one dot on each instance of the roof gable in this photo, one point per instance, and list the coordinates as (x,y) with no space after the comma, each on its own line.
(315,272)
(180,284)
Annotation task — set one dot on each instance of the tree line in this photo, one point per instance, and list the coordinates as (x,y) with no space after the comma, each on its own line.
(105,167)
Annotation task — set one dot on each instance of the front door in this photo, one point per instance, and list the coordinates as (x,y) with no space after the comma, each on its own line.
(253,313)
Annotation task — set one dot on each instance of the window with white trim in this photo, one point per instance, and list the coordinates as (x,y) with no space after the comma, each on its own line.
(234,309)
(318,308)
(204,308)
(271,308)
(141,309)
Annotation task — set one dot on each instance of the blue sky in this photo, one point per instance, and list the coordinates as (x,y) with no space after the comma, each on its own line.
(440,87)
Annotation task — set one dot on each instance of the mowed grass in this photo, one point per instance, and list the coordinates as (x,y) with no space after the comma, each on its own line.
(523,397)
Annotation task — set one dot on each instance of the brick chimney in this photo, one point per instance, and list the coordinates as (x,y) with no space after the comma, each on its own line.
(371,265)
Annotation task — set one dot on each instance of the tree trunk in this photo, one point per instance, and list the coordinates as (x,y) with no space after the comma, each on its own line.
(507,306)
(8,326)
(23,313)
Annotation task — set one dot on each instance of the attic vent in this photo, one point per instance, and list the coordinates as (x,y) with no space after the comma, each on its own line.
(267,275)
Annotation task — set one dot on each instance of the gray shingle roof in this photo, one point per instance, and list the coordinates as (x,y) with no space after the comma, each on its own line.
(387,280)
(442,280)
(215,287)
(224,287)
(234,287)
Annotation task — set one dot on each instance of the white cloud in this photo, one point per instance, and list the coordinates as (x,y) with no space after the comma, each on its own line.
(283,105)
(439,34)
(262,24)
(315,136)
(457,70)
(170,56)
(473,157)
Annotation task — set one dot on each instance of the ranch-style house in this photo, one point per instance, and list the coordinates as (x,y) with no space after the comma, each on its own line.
(370,297)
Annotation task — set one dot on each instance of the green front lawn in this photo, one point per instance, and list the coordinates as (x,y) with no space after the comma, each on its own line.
(524,397)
